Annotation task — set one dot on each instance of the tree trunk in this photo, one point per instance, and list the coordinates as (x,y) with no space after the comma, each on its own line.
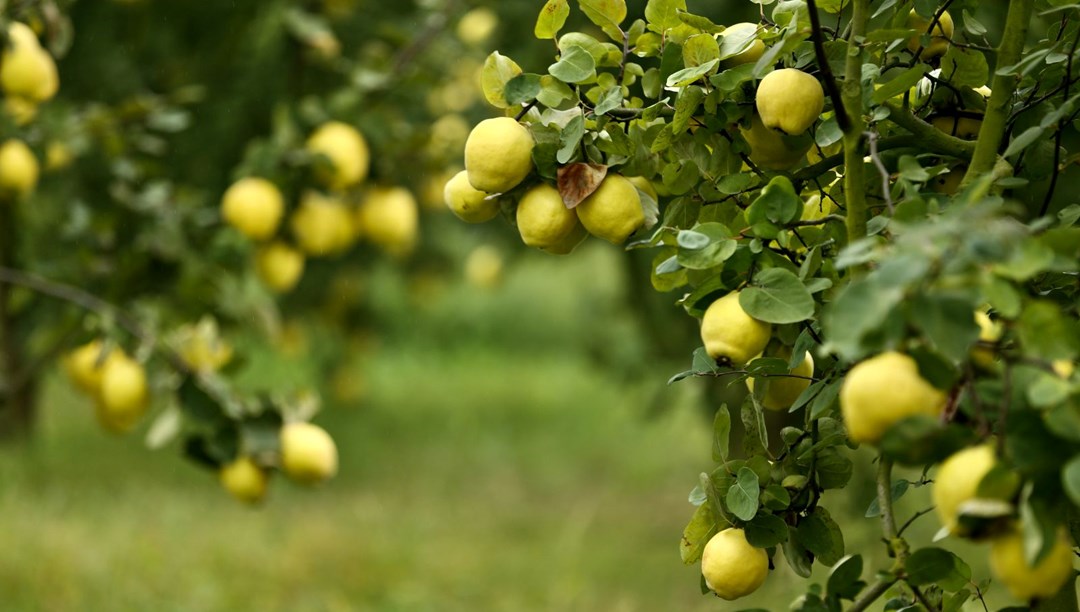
(17,390)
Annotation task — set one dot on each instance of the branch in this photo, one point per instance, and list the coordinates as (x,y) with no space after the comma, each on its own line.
(821,221)
(992,131)
(854,172)
(929,136)
(871,594)
(1060,132)
(93,303)
(826,70)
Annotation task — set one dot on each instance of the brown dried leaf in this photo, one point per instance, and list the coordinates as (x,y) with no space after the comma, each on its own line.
(578,181)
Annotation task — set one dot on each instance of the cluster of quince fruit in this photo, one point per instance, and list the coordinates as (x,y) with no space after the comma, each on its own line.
(733,568)
(28,77)
(326,221)
(498,160)
(119,387)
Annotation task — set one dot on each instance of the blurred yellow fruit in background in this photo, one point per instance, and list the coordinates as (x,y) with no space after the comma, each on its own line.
(308,453)
(253,206)
(279,266)
(346,150)
(389,218)
(244,480)
(18,169)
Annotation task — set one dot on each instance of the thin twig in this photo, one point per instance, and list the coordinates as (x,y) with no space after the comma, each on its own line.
(1059,134)
(872,140)
(871,594)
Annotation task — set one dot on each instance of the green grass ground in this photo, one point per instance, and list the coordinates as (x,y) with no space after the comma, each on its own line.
(506,470)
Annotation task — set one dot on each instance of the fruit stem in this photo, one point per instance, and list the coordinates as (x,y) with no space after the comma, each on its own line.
(1009,52)
(854,171)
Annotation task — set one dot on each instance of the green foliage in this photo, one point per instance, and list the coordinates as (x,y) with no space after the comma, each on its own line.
(895,231)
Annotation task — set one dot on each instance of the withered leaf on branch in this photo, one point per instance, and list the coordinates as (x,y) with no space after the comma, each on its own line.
(578,181)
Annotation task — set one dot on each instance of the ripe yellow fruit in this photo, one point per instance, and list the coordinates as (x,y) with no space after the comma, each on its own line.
(939,42)
(322,225)
(347,152)
(815,209)
(729,333)
(1008,564)
(957,481)
(643,184)
(21,110)
(498,154)
(253,206)
(477,25)
(308,453)
(389,217)
(279,266)
(989,331)
(58,156)
(1063,367)
(789,100)
(26,70)
(774,150)
(613,211)
(882,390)
(467,202)
(544,221)
(963,127)
(123,396)
(752,53)
(204,351)
(782,391)
(244,479)
(731,566)
(483,267)
(18,168)
(83,368)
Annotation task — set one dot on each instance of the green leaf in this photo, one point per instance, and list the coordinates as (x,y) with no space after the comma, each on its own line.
(686,76)
(1026,138)
(663,14)
(833,469)
(778,203)
(701,49)
(896,491)
(742,497)
(522,88)
(845,578)
(552,18)
(610,100)
(935,565)
(570,138)
(947,321)
(965,67)
(798,558)
(702,526)
(721,434)
(1046,333)
(766,530)
(497,72)
(574,66)
(607,14)
(777,296)
(686,103)
(820,535)
(1070,479)
(901,83)
(735,43)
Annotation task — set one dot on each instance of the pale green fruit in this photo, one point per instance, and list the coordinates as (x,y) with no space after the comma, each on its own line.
(1008,564)
(781,391)
(254,206)
(279,266)
(752,53)
(883,390)
(774,150)
(389,218)
(544,221)
(613,211)
(18,168)
(729,333)
(244,480)
(347,151)
(939,42)
(123,396)
(957,481)
(731,566)
(468,203)
(308,453)
(789,100)
(498,155)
